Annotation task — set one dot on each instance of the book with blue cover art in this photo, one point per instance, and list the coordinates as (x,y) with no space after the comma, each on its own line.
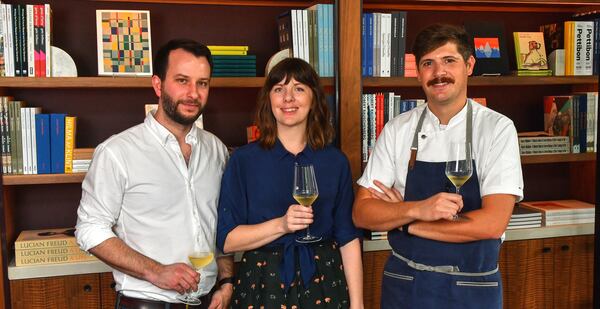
(57,143)
(42,139)
(489,42)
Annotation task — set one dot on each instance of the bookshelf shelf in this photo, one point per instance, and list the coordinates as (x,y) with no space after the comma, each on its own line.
(125,82)
(481,5)
(284,3)
(14,180)
(558,158)
(488,81)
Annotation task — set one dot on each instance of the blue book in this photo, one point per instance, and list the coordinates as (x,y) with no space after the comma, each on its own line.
(596,45)
(369,43)
(42,139)
(363,45)
(57,143)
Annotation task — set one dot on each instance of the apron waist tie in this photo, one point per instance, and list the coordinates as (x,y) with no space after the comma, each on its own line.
(445,269)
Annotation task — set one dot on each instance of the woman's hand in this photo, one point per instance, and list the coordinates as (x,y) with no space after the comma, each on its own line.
(296,218)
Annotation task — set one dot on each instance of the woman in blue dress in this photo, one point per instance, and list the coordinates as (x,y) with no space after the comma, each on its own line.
(258,215)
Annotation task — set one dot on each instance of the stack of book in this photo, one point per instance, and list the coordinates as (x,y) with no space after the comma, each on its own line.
(538,143)
(232,61)
(560,212)
(410,63)
(51,246)
(523,218)
(82,158)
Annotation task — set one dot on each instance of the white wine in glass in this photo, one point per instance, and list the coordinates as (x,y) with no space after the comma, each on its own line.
(305,193)
(459,166)
(199,260)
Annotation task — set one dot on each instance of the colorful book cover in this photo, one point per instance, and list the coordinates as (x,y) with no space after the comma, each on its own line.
(124,43)
(70,134)
(42,136)
(530,51)
(489,41)
(57,143)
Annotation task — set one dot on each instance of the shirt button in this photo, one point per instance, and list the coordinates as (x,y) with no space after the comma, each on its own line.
(423,136)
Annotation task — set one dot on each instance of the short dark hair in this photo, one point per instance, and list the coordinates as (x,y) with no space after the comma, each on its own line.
(161,60)
(437,35)
(319,130)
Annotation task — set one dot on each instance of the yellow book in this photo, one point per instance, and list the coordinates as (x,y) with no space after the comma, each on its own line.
(227,47)
(48,238)
(229,52)
(46,252)
(568,44)
(53,259)
(70,131)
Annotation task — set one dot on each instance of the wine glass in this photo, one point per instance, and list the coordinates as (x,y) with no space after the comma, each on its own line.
(305,193)
(198,259)
(459,166)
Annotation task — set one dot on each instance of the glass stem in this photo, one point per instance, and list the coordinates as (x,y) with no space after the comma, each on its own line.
(308,232)
(457,189)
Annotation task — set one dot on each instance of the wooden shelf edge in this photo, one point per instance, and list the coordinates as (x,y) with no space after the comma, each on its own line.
(486,81)
(126,82)
(275,3)
(558,158)
(12,180)
(564,6)
(53,270)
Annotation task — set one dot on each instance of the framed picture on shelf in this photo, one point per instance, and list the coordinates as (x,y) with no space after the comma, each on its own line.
(124,43)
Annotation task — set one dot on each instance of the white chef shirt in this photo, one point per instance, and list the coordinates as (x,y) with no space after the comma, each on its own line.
(495,149)
(139,188)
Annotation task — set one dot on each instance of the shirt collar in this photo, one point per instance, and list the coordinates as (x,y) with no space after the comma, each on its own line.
(453,121)
(164,135)
(280,152)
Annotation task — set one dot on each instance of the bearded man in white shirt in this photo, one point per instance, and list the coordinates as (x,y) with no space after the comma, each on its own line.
(150,195)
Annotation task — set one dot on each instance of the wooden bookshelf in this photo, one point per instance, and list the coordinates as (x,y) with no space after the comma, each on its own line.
(14,180)
(488,81)
(274,3)
(126,82)
(559,158)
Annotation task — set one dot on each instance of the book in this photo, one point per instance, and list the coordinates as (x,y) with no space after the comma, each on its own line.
(57,143)
(489,40)
(560,207)
(133,59)
(23,259)
(556,62)
(530,51)
(70,133)
(42,132)
(48,238)
(558,115)
(83,153)
(227,47)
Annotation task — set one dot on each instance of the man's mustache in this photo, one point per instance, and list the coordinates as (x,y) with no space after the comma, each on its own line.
(195,102)
(439,80)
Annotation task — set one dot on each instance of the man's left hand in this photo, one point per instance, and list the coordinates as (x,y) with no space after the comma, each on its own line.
(222,297)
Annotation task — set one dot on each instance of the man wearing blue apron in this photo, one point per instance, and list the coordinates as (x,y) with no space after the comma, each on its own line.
(445,245)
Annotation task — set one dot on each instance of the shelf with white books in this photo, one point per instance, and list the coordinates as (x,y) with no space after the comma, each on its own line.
(488,81)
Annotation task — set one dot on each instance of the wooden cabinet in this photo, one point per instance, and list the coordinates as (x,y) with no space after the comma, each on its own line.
(76,292)
(548,273)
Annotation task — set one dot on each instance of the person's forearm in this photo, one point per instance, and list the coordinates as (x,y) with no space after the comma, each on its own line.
(353,271)
(225,265)
(378,215)
(489,222)
(119,255)
(249,237)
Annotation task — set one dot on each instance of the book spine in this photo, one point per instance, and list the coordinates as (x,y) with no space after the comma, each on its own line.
(364,121)
(596,57)
(70,129)
(3,50)
(42,130)
(16,39)
(386,47)
(47,40)
(394,44)
(56,259)
(19,137)
(7,134)
(23,34)
(295,36)
(47,252)
(8,40)
(363,45)
(369,43)
(29,26)
(46,243)
(588,52)
(57,143)
(33,138)
(25,139)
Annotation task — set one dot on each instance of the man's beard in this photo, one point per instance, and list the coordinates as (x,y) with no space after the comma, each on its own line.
(169,106)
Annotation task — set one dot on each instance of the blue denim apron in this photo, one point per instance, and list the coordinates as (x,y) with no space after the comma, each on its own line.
(424,273)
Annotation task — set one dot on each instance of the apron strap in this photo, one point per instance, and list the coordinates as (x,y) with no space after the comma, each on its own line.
(414,148)
(444,269)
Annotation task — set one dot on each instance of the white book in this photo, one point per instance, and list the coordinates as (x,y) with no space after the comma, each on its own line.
(30,31)
(364,125)
(588,52)
(376,44)
(33,111)
(579,50)
(295,37)
(3,36)
(10,59)
(390,115)
(25,140)
(330,34)
(48,41)
(386,46)
(556,62)
(305,30)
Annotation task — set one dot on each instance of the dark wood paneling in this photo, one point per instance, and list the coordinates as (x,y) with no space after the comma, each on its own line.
(573,272)
(66,292)
(373,264)
(107,291)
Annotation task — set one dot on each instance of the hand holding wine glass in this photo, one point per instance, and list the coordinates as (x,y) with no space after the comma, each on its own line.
(459,166)
(305,193)
(198,259)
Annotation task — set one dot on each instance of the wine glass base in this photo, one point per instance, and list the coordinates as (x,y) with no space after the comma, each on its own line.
(190,300)
(308,239)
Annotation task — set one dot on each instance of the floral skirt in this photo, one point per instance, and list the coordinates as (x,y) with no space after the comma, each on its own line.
(258,285)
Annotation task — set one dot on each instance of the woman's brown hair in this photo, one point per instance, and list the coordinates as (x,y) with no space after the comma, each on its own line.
(319,130)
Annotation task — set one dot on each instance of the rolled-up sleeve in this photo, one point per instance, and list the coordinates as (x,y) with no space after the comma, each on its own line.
(101,199)
(232,202)
(344,230)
